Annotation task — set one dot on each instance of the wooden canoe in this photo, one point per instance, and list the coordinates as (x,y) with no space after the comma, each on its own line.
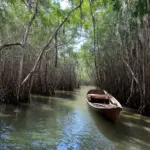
(104,103)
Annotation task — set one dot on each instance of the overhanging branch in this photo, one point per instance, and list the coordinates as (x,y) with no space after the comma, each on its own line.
(9,45)
(26,32)
(49,42)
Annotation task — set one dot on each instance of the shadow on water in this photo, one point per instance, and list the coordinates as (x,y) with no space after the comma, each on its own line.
(130,132)
(52,124)
(65,122)
(34,127)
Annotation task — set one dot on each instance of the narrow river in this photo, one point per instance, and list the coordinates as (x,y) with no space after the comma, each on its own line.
(65,122)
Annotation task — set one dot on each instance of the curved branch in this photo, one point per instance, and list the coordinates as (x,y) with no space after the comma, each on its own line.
(26,32)
(9,45)
(49,42)
(131,71)
(29,24)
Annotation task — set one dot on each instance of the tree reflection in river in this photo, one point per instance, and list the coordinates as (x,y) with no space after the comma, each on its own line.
(130,132)
(66,122)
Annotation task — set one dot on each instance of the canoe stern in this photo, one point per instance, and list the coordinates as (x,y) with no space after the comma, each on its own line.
(112,114)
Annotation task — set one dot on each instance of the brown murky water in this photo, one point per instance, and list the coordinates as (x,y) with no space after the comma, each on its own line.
(65,122)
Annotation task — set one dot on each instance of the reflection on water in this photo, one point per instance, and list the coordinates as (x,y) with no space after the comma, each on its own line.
(66,122)
(130,132)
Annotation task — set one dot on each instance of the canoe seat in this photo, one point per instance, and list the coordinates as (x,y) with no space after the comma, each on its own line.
(98,98)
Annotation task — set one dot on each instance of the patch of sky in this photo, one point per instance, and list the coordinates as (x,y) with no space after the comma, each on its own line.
(64,4)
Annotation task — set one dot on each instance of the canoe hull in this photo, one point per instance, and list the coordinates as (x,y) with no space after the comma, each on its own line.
(110,110)
(112,114)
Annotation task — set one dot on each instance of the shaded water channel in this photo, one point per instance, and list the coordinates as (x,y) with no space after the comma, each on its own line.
(65,122)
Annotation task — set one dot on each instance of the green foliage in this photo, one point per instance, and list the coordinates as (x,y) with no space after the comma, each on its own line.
(116,4)
(117,26)
(141,8)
